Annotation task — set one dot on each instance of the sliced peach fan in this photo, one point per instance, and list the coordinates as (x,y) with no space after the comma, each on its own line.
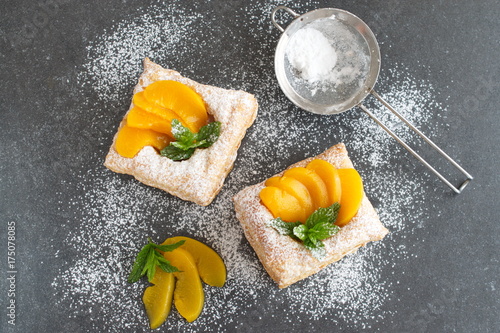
(149,122)
(300,191)
(154,111)
(184,101)
(194,260)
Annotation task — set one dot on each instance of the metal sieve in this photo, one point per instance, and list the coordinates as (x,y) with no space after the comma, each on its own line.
(332,99)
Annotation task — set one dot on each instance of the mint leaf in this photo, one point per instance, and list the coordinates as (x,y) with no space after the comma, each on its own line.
(139,264)
(313,243)
(317,248)
(187,141)
(323,230)
(301,232)
(284,228)
(164,264)
(149,258)
(175,153)
(209,134)
(169,247)
(181,133)
(167,267)
(328,214)
(182,145)
(150,267)
(320,225)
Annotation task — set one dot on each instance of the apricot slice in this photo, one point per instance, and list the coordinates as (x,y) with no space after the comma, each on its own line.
(140,101)
(131,140)
(283,205)
(297,189)
(181,99)
(140,118)
(188,292)
(315,185)
(330,177)
(209,264)
(158,298)
(352,194)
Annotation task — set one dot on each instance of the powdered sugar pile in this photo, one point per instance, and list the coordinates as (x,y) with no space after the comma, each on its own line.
(329,61)
(310,52)
(117,213)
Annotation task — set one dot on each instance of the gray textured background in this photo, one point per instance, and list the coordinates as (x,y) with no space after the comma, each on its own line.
(453,268)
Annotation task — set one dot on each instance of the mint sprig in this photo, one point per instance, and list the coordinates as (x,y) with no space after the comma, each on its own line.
(187,141)
(284,228)
(149,258)
(319,226)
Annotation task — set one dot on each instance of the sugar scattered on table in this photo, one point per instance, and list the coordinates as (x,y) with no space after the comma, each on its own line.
(116,213)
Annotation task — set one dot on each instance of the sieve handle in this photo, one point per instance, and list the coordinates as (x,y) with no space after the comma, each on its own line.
(273,16)
(425,138)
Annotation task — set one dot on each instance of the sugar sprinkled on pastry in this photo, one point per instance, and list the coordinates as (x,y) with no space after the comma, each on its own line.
(200,177)
(286,259)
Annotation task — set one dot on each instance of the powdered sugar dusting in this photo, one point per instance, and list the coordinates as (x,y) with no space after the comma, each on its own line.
(120,53)
(116,213)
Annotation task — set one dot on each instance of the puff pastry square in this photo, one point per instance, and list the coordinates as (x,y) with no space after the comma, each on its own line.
(201,177)
(288,261)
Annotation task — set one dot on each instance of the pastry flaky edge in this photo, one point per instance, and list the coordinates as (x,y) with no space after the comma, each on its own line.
(286,260)
(200,178)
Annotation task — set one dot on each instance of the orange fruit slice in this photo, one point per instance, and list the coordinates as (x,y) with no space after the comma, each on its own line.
(282,204)
(142,102)
(158,298)
(139,118)
(179,98)
(315,185)
(209,264)
(352,194)
(297,189)
(188,292)
(131,140)
(330,177)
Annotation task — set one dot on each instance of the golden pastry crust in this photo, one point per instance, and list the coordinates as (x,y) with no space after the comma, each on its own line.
(201,177)
(288,261)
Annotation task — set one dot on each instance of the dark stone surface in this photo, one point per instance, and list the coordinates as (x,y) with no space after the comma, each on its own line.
(450,281)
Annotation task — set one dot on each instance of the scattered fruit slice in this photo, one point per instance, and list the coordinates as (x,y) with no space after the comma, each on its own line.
(352,194)
(281,204)
(188,292)
(315,185)
(210,265)
(181,99)
(158,298)
(330,176)
(131,140)
(297,189)
(139,118)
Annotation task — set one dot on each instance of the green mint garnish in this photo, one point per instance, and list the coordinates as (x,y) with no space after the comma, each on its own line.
(187,141)
(176,154)
(284,228)
(148,258)
(319,226)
